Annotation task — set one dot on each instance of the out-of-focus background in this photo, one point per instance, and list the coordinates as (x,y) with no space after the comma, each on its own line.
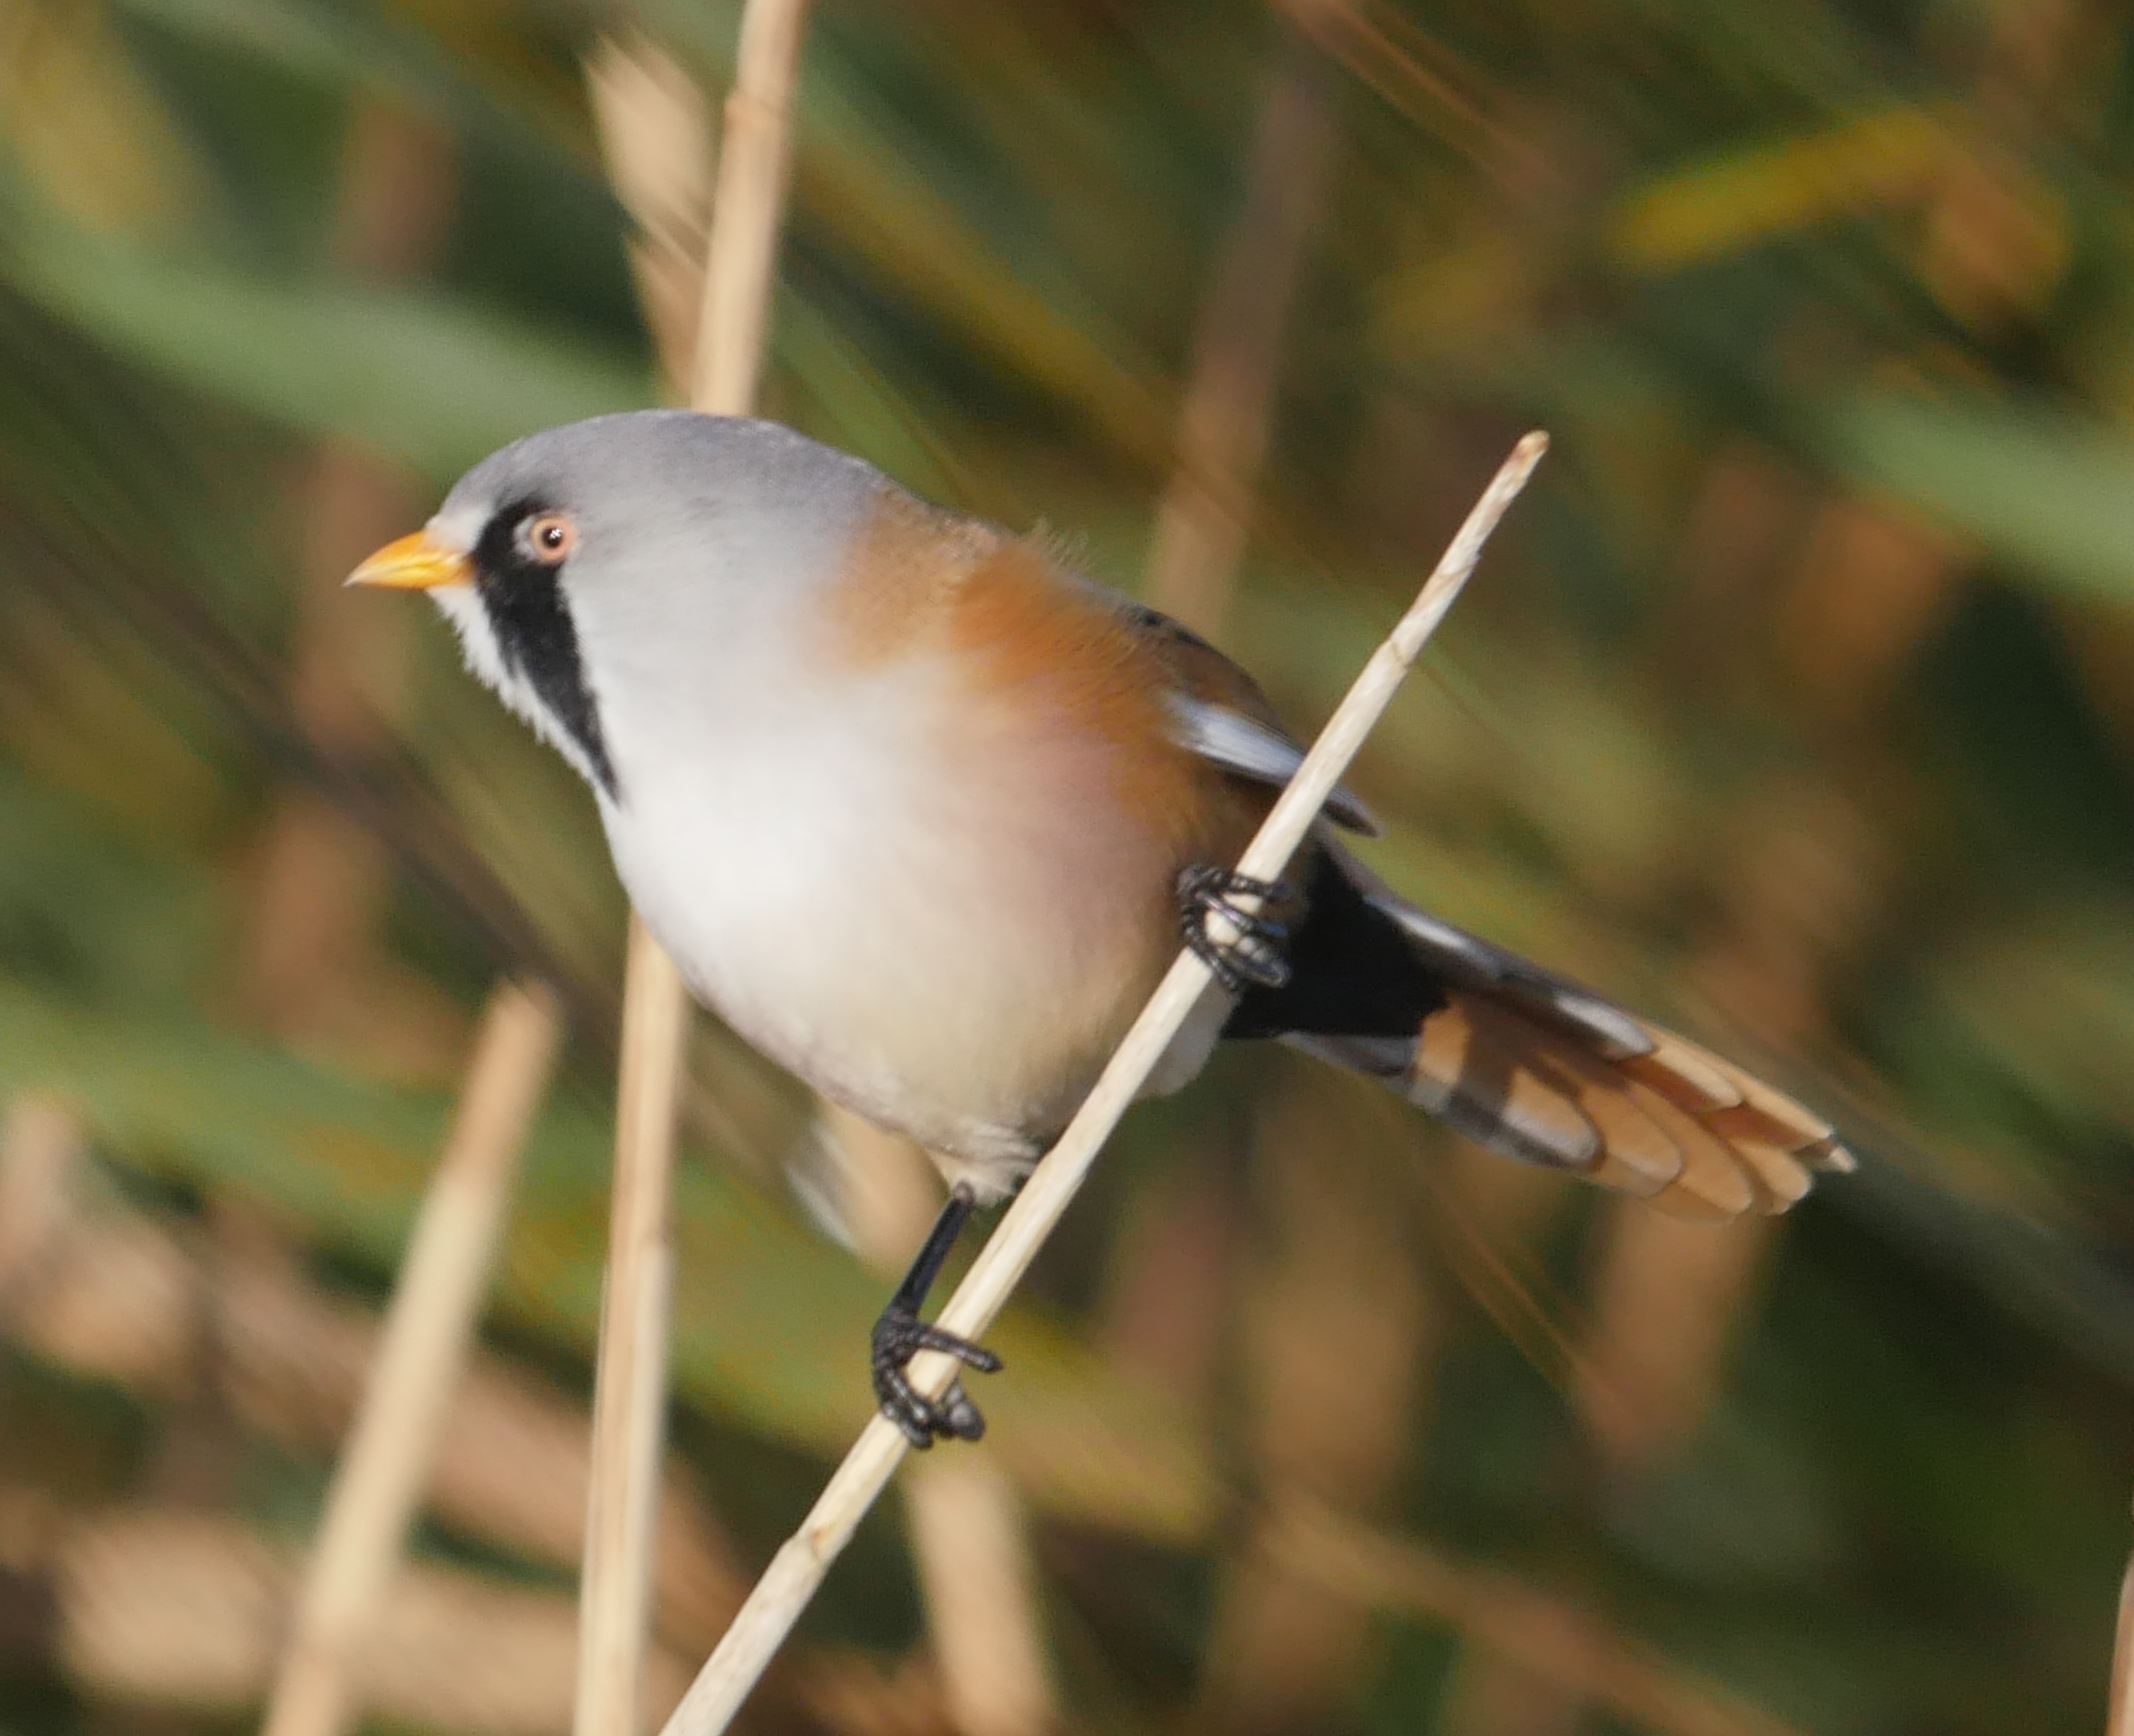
(1795,705)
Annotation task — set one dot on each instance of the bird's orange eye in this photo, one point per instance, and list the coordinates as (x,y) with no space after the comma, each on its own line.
(548,537)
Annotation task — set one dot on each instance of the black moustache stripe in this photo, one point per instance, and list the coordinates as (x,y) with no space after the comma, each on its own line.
(525,602)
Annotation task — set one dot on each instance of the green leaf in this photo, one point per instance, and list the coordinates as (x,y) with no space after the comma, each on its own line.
(343,47)
(414,373)
(1742,197)
(332,45)
(2052,494)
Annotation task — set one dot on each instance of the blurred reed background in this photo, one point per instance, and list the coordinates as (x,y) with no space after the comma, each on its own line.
(1795,705)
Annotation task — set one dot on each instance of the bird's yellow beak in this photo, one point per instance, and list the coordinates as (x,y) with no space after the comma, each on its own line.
(416,562)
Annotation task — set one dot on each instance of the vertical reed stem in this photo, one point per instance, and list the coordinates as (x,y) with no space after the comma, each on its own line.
(40,1143)
(1202,526)
(755,150)
(630,1388)
(2119,1715)
(629,1384)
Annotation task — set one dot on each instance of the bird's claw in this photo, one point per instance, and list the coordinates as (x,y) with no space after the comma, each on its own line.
(1257,957)
(898,1336)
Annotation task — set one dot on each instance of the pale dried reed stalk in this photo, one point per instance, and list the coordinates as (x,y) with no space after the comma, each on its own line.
(40,1143)
(387,1461)
(630,1382)
(630,1386)
(2119,1714)
(970,1534)
(1203,524)
(756,153)
(655,137)
(314,956)
(107,1292)
(1331,1266)
(967,1524)
(799,1567)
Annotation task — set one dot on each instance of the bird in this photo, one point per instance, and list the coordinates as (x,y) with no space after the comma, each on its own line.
(924,814)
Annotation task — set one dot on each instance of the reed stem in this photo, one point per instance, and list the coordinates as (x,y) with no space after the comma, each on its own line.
(438,1297)
(630,1383)
(799,1567)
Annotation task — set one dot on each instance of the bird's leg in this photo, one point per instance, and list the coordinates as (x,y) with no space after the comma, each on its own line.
(1256,957)
(899,1335)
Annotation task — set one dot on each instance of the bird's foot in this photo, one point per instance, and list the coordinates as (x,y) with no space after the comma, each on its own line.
(898,1336)
(1254,954)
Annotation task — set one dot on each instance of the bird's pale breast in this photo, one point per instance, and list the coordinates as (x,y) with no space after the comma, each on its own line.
(936,883)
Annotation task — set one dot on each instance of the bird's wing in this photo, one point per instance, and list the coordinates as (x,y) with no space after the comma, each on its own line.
(1529,1062)
(1218,711)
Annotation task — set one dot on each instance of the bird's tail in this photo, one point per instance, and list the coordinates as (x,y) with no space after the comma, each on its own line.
(1541,1069)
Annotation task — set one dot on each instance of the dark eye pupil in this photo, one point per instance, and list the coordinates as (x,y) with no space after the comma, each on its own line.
(552,536)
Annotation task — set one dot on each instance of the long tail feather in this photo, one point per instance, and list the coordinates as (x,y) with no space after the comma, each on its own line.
(1530,1064)
(1670,1121)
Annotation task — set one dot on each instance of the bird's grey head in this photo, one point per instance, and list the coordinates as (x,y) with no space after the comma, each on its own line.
(602,552)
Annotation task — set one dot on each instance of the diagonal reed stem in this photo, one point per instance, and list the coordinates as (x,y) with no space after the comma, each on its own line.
(630,1393)
(799,1567)
(392,1445)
